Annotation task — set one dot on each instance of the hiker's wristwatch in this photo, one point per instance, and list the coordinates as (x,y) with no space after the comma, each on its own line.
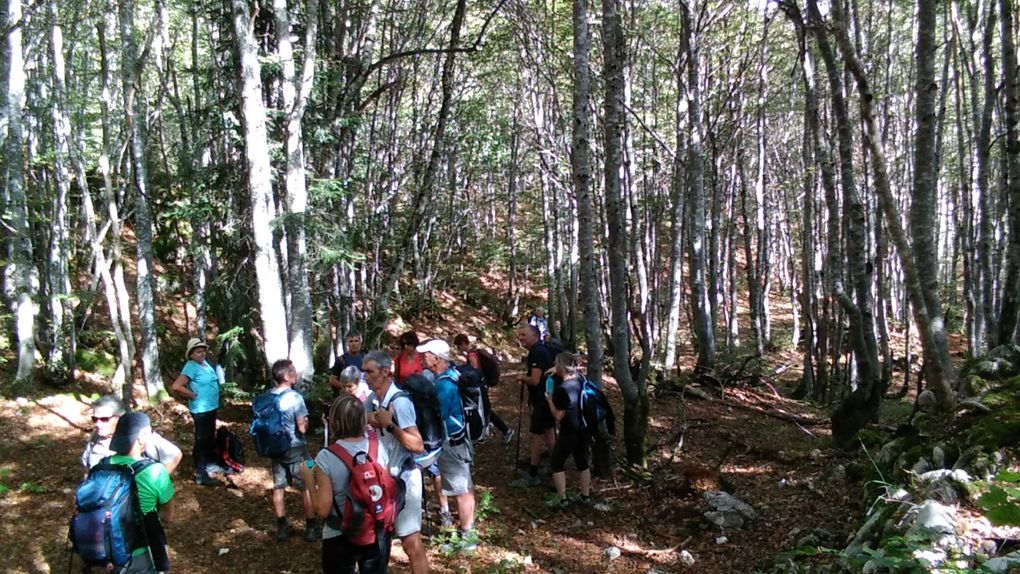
(391,428)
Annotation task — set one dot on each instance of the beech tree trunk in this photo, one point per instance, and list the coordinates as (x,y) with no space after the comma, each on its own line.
(1011,88)
(253,117)
(580,163)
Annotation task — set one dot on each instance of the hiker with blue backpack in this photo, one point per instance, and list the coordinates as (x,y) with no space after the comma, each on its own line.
(391,412)
(457,454)
(287,459)
(200,385)
(565,402)
(116,525)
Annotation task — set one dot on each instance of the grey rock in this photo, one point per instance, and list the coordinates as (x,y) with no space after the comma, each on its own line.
(921,466)
(958,476)
(938,457)
(889,451)
(687,558)
(727,511)
(725,520)
(612,552)
(932,518)
(1003,564)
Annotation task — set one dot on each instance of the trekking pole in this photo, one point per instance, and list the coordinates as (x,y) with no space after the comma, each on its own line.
(520,417)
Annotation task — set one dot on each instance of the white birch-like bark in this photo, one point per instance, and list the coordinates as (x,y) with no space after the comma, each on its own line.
(59,275)
(253,113)
(23,275)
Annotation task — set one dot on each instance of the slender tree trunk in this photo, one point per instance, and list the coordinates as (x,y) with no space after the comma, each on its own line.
(295,95)
(60,283)
(704,335)
(580,163)
(24,275)
(131,68)
(634,394)
(1011,87)
(253,114)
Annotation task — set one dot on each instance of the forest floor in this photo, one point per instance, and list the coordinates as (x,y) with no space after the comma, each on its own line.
(780,463)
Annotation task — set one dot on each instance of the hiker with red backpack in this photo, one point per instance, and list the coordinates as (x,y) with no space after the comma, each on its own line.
(392,413)
(353,492)
(484,362)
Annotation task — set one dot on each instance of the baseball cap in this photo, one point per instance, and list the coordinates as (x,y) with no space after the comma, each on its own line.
(437,347)
(128,428)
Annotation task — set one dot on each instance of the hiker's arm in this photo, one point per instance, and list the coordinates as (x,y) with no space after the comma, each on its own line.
(180,387)
(166,452)
(472,359)
(302,424)
(533,378)
(167,511)
(320,488)
(334,381)
(410,438)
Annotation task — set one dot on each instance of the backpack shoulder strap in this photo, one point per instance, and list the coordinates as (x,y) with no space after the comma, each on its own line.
(140,465)
(373,447)
(341,453)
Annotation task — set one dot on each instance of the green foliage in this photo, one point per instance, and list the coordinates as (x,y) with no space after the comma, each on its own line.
(485,506)
(32,488)
(96,360)
(504,566)
(5,473)
(1002,503)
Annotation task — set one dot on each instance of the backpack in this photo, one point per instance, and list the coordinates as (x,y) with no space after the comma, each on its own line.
(555,347)
(470,386)
(490,367)
(595,408)
(429,418)
(270,434)
(374,498)
(230,449)
(108,525)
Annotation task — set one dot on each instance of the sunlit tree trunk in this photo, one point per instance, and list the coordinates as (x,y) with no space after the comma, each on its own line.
(253,113)
(22,274)
(61,321)
(1011,88)
(295,96)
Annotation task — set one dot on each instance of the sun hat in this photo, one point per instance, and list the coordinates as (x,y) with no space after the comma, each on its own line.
(437,347)
(128,428)
(194,343)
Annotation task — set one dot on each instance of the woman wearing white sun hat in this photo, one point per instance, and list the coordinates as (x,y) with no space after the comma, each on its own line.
(199,384)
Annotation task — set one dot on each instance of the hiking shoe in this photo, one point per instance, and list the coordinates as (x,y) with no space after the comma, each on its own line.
(445,519)
(283,532)
(557,503)
(526,482)
(206,481)
(313,533)
(468,541)
(508,436)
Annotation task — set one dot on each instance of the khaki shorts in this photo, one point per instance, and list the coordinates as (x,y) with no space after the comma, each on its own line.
(409,519)
(455,468)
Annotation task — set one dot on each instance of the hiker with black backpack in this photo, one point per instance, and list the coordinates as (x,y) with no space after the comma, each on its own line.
(565,401)
(116,525)
(353,492)
(200,385)
(392,413)
(286,464)
(457,454)
(484,362)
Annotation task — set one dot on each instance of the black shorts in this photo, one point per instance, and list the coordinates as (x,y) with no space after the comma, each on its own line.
(541,418)
(567,444)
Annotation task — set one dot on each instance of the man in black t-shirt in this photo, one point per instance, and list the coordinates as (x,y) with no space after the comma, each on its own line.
(542,424)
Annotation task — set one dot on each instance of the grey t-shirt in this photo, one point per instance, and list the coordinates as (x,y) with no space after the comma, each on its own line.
(340,476)
(403,415)
(292,405)
(159,449)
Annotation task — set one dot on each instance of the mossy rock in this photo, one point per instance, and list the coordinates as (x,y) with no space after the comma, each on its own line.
(1001,427)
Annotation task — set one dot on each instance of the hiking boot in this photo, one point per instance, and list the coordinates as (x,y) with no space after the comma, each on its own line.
(468,541)
(445,519)
(313,532)
(283,532)
(206,480)
(508,436)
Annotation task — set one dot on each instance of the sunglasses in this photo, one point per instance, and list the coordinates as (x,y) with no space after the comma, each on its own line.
(96,419)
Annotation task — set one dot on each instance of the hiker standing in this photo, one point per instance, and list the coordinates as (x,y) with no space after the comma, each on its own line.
(538,321)
(455,458)
(347,421)
(199,384)
(352,382)
(154,488)
(392,414)
(565,402)
(542,424)
(286,469)
(106,412)
(474,358)
(408,362)
(352,357)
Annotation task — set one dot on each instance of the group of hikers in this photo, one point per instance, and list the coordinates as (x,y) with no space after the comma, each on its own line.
(393,421)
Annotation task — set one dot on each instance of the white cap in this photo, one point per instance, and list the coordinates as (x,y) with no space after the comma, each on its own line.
(437,347)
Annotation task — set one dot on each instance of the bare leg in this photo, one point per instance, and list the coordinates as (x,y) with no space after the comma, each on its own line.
(278,508)
(585,482)
(560,482)
(415,550)
(466,510)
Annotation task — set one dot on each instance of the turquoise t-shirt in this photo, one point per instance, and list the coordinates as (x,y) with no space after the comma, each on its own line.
(203,382)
